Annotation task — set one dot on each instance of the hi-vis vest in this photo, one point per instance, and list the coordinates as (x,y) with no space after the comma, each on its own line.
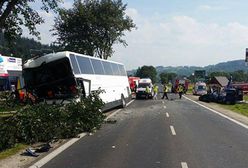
(165,88)
(155,89)
(147,89)
(180,89)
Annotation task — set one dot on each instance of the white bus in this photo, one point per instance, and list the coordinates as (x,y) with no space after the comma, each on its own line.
(55,76)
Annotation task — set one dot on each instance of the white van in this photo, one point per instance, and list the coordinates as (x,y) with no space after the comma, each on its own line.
(141,89)
(200,88)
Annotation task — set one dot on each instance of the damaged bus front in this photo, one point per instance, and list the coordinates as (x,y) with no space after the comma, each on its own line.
(52,79)
(66,75)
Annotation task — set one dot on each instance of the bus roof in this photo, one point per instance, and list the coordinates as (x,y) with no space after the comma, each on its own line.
(37,61)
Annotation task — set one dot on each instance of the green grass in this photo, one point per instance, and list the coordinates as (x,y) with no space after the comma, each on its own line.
(12,151)
(245,97)
(238,108)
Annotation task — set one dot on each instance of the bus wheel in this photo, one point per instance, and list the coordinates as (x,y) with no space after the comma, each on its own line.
(123,102)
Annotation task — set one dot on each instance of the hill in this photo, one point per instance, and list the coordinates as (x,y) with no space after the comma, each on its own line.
(22,47)
(229,66)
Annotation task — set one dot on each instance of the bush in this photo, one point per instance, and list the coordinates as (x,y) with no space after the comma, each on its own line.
(8,101)
(42,122)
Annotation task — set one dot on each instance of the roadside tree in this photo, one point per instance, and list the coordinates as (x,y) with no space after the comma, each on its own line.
(166,77)
(92,27)
(147,72)
(16,14)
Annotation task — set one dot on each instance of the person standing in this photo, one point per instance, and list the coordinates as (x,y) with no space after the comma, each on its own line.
(147,92)
(180,91)
(165,89)
(155,90)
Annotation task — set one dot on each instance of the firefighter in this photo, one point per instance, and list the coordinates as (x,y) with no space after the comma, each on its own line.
(180,91)
(165,89)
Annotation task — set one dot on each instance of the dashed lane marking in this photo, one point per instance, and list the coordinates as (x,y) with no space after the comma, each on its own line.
(184,165)
(60,149)
(167,115)
(164,107)
(172,130)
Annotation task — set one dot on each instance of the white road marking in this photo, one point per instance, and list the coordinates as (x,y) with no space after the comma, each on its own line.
(167,115)
(222,115)
(60,149)
(172,130)
(57,151)
(129,102)
(111,115)
(163,102)
(164,107)
(184,165)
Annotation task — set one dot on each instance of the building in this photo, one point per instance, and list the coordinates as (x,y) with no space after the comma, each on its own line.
(218,82)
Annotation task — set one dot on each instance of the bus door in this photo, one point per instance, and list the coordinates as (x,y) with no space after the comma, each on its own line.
(85,85)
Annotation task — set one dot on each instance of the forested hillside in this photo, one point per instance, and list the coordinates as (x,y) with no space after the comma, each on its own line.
(229,66)
(22,47)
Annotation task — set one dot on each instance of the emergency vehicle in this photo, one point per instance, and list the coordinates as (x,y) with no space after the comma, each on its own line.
(200,88)
(144,84)
(10,73)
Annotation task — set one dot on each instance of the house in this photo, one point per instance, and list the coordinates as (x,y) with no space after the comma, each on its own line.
(218,83)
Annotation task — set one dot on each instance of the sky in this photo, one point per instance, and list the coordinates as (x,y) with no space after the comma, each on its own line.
(176,32)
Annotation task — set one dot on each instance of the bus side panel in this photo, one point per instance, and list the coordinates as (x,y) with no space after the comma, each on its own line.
(113,88)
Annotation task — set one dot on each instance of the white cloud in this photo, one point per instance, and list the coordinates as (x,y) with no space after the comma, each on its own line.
(210,8)
(178,40)
(181,40)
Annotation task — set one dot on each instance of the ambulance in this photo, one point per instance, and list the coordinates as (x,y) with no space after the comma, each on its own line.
(10,73)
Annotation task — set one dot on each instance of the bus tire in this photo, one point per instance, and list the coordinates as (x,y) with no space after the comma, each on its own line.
(123,102)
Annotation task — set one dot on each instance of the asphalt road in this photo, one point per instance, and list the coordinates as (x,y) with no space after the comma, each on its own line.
(153,134)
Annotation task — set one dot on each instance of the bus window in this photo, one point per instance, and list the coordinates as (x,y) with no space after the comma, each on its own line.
(107,68)
(85,65)
(122,70)
(98,67)
(74,64)
(115,69)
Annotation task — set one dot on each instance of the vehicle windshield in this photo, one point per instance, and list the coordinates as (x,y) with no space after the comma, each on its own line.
(201,87)
(50,80)
(143,85)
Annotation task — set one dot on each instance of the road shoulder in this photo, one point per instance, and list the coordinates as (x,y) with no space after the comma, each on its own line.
(241,118)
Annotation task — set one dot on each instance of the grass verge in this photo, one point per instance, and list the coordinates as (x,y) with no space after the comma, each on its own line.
(245,97)
(238,108)
(12,151)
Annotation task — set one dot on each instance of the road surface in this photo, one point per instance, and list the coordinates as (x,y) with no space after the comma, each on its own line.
(160,134)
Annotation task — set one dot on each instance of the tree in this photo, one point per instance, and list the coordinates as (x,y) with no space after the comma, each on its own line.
(239,76)
(147,72)
(14,14)
(166,77)
(212,74)
(92,27)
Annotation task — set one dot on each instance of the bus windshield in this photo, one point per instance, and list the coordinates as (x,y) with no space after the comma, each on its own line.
(49,81)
